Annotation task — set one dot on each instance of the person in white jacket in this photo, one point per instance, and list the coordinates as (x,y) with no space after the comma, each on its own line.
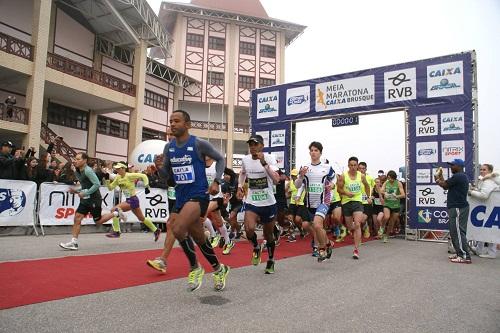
(488,182)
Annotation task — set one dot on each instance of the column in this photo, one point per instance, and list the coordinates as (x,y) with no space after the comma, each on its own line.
(92,133)
(36,83)
(135,119)
(231,93)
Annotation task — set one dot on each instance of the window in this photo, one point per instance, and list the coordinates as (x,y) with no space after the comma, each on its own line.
(194,40)
(267,51)
(151,134)
(66,116)
(155,100)
(266,82)
(246,82)
(112,127)
(247,48)
(215,78)
(216,43)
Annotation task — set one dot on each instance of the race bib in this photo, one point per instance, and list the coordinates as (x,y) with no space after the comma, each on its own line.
(364,197)
(315,188)
(183,174)
(258,183)
(210,180)
(354,187)
(260,195)
(171,193)
(377,202)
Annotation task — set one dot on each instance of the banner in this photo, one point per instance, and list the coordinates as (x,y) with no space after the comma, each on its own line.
(484,219)
(153,205)
(17,202)
(57,206)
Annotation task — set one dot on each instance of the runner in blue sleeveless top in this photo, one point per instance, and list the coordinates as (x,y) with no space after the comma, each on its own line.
(185,164)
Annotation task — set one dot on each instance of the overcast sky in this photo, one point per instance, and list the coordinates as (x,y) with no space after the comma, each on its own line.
(345,36)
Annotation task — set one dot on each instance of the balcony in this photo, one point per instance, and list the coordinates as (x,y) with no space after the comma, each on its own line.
(87,73)
(16,46)
(14,114)
(203,125)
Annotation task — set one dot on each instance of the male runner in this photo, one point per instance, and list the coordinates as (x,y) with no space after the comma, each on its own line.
(260,203)
(367,200)
(350,186)
(317,177)
(185,162)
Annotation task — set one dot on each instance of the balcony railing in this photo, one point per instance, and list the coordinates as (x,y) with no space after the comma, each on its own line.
(87,73)
(16,46)
(204,125)
(15,114)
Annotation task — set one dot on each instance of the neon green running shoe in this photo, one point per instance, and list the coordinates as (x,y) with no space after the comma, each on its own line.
(195,278)
(215,241)
(220,277)
(380,231)
(269,267)
(385,238)
(256,255)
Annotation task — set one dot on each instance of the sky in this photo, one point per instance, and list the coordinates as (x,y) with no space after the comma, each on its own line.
(344,36)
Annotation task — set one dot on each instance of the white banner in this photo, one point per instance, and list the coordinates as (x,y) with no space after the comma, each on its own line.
(347,93)
(17,202)
(484,219)
(153,205)
(58,206)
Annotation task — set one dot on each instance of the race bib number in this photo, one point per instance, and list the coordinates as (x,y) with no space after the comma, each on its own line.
(183,174)
(364,197)
(260,195)
(315,188)
(171,193)
(354,187)
(258,183)
(377,202)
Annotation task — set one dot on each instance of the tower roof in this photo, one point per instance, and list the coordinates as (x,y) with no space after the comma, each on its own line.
(246,7)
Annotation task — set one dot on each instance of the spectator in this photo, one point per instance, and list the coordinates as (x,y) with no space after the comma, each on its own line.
(458,209)
(488,182)
(67,174)
(155,179)
(10,102)
(11,166)
(43,173)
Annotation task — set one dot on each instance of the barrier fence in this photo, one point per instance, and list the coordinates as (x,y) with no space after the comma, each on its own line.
(57,206)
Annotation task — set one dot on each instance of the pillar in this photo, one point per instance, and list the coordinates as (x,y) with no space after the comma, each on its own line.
(231,93)
(92,133)
(135,118)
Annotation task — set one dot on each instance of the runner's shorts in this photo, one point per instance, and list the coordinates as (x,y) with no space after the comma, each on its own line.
(133,201)
(351,207)
(266,213)
(90,206)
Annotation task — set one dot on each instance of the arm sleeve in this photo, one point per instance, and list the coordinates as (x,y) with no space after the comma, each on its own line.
(243,175)
(141,176)
(204,148)
(95,182)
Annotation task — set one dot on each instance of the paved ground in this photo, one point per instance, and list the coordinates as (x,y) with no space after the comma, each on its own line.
(402,286)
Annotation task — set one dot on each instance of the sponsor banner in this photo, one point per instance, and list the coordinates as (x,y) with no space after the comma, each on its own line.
(484,219)
(278,138)
(17,202)
(265,136)
(347,93)
(280,158)
(426,125)
(58,206)
(445,79)
(297,100)
(430,196)
(154,205)
(452,123)
(432,218)
(144,154)
(268,104)
(452,149)
(427,152)
(400,85)
(423,176)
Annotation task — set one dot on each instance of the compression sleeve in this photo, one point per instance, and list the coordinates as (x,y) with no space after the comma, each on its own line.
(93,179)
(204,148)
(133,176)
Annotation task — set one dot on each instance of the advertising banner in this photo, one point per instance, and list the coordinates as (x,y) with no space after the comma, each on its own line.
(154,205)
(17,202)
(58,206)
(484,219)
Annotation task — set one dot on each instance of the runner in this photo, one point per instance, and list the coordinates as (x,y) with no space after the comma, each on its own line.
(282,206)
(367,200)
(260,204)
(350,186)
(335,212)
(317,177)
(297,210)
(378,208)
(392,191)
(185,162)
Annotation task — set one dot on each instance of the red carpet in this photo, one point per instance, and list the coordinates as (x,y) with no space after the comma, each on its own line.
(35,281)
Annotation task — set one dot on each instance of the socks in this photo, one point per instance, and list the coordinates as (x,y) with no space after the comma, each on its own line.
(208,224)
(116,224)
(148,223)
(224,233)
(253,239)
(270,249)
(188,247)
(209,254)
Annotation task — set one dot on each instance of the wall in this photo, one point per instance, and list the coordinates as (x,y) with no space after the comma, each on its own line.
(16,18)
(75,138)
(111,148)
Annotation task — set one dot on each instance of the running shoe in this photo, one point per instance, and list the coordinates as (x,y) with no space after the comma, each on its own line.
(343,234)
(385,239)
(366,232)
(228,247)
(329,251)
(322,256)
(256,255)
(380,232)
(269,267)
(157,234)
(355,254)
(121,215)
(460,260)
(113,234)
(214,242)
(195,278)
(337,231)
(315,252)
(158,264)
(69,246)
(291,239)
(222,242)
(220,277)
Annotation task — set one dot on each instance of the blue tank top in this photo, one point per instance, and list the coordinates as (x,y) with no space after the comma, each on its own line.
(188,171)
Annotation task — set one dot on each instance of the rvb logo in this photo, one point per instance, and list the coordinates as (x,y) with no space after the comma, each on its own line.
(426,197)
(12,202)
(426,125)
(400,85)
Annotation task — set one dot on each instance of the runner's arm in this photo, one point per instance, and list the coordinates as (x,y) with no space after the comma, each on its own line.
(93,179)
(204,148)
(340,185)
(134,175)
(402,193)
(111,185)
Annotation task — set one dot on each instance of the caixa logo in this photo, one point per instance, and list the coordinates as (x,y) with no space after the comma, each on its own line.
(267,109)
(479,219)
(297,100)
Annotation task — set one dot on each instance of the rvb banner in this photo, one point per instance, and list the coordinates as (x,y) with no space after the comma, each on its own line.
(484,219)
(153,205)
(17,202)
(57,206)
